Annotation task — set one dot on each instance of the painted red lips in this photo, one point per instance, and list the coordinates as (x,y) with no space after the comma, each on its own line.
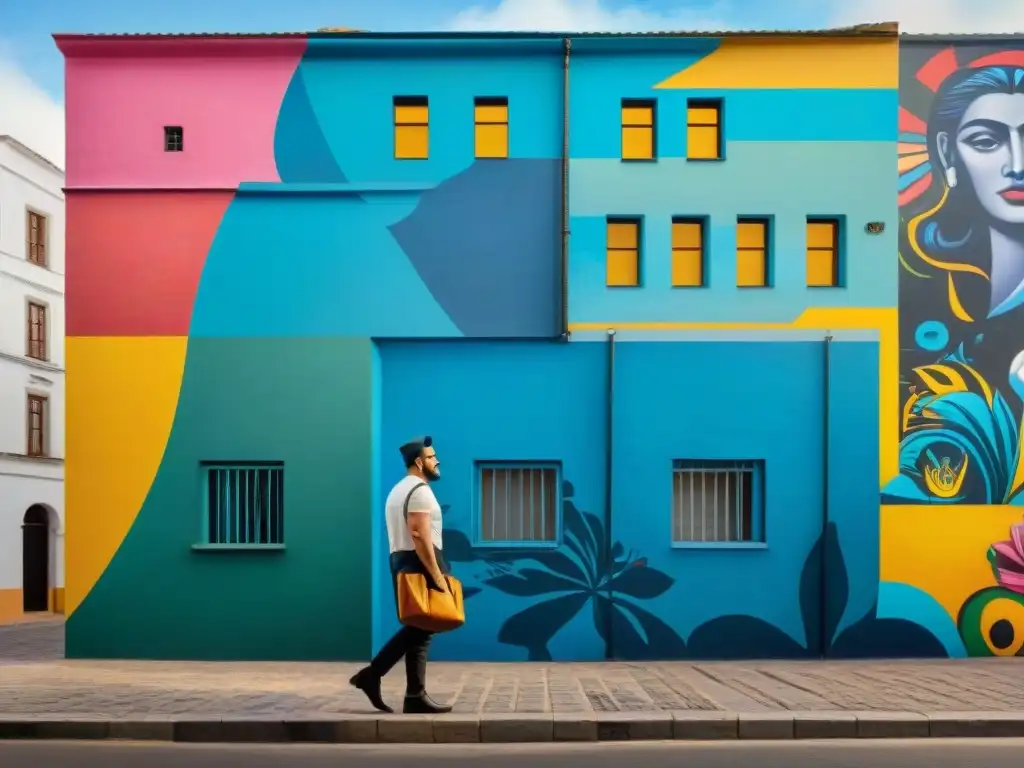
(1013,195)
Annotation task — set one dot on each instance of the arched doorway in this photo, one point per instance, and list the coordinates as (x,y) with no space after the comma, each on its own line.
(35,559)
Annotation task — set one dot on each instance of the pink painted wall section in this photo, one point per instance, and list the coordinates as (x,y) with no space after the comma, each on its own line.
(225,93)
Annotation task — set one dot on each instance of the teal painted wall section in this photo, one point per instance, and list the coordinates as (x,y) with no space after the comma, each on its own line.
(781,180)
(308,403)
(788,154)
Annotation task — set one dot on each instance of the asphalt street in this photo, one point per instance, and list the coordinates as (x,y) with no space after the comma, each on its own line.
(936,753)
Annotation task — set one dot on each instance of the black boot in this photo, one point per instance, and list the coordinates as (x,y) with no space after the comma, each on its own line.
(423,705)
(369,683)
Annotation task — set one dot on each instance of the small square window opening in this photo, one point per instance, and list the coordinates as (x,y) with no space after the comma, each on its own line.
(174,138)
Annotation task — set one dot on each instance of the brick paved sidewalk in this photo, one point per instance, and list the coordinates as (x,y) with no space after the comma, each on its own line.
(42,696)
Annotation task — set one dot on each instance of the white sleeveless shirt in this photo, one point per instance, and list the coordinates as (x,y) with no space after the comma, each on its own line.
(422,500)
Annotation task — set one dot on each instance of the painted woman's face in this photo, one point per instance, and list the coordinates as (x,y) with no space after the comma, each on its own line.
(990,144)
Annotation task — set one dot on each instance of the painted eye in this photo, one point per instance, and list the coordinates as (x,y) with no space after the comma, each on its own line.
(983,143)
(991,623)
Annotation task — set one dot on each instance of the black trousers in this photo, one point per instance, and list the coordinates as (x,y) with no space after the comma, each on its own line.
(410,642)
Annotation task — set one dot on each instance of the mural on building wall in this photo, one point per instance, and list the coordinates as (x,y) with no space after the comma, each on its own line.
(453,259)
(992,620)
(961,308)
(584,573)
(591,572)
(961,197)
(390,248)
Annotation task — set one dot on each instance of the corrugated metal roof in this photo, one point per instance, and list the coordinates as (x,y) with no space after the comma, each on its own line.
(884,29)
(974,36)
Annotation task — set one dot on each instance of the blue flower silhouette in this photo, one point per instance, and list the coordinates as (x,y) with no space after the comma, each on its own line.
(749,637)
(565,580)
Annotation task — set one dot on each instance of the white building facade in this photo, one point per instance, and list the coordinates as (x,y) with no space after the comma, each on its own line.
(31,383)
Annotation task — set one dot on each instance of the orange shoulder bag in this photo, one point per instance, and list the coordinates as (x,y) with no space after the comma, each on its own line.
(424,608)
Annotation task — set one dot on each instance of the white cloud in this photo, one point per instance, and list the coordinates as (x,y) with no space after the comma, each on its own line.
(28,113)
(954,17)
(578,16)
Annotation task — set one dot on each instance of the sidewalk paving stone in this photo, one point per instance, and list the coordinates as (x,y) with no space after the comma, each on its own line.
(43,695)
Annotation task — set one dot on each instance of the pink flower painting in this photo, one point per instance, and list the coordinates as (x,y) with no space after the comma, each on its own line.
(1007,558)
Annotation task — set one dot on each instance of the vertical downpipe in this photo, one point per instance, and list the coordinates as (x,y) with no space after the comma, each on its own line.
(567,48)
(825,641)
(606,555)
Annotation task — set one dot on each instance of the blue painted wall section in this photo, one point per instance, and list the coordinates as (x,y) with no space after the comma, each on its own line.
(494,401)
(452,267)
(354,242)
(536,402)
(666,411)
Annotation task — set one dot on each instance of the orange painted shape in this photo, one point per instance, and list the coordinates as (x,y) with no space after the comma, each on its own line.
(911,123)
(1014,58)
(121,398)
(941,549)
(938,68)
(909,162)
(908,148)
(11,604)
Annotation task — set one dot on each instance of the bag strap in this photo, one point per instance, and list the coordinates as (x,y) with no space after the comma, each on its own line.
(405,507)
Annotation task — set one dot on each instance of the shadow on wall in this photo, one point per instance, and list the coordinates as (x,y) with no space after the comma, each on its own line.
(586,571)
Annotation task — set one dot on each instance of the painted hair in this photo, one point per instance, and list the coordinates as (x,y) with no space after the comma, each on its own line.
(941,233)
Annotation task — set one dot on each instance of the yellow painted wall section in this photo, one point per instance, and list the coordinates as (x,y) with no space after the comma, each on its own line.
(122,394)
(940,549)
(794,62)
(883,320)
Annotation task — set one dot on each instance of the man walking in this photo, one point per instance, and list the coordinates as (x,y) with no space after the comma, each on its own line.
(414,538)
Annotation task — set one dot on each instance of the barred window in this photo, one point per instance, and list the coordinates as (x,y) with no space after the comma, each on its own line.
(717,501)
(244,504)
(518,503)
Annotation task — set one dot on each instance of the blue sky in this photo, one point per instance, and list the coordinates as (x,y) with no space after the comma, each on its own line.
(28,37)
(31,68)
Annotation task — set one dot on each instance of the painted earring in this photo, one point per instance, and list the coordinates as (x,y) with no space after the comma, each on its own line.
(951,177)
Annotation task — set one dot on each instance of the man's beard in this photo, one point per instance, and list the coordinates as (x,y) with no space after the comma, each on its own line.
(432,474)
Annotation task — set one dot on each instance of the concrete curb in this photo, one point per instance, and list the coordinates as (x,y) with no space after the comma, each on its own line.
(514,727)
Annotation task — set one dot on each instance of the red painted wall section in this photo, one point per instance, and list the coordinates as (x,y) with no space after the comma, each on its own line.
(224,93)
(134,263)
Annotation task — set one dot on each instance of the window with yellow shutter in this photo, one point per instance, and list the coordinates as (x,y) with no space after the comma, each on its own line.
(638,129)
(753,253)
(412,128)
(823,256)
(687,252)
(623,252)
(490,127)
(704,129)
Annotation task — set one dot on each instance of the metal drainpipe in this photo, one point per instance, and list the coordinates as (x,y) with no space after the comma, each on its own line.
(606,555)
(567,48)
(827,435)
